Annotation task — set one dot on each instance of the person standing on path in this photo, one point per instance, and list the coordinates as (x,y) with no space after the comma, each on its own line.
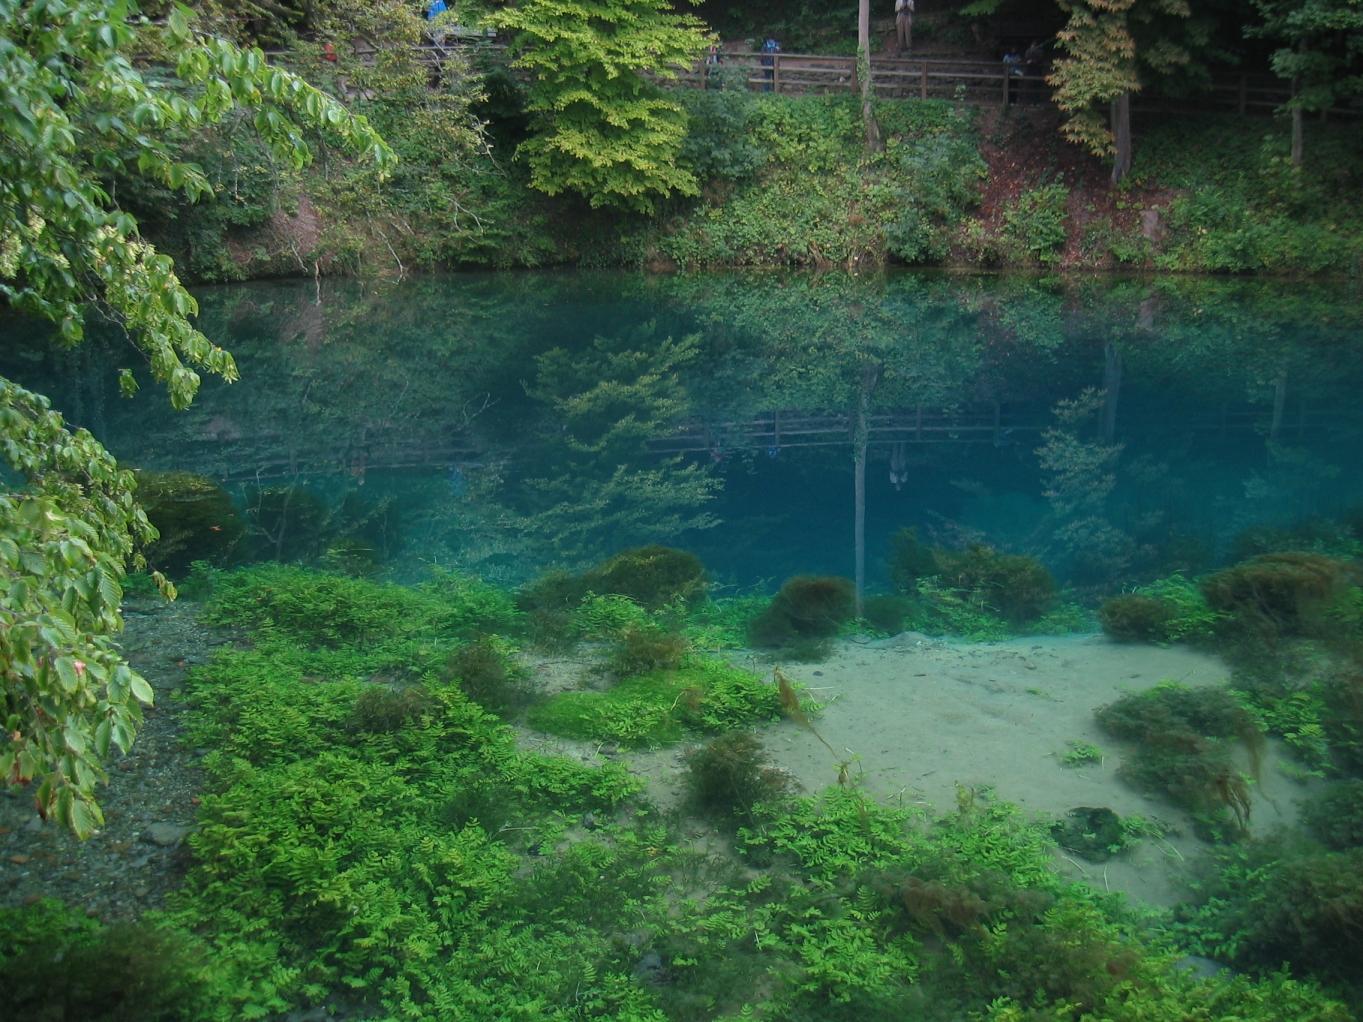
(903,25)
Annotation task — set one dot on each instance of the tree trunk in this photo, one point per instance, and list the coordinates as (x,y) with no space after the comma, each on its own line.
(1112,389)
(874,144)
(1121,136)
(1297,118)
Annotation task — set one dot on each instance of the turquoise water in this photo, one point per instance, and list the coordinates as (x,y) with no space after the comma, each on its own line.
(505,424)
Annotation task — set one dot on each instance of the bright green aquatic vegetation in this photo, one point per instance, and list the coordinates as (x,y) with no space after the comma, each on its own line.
(660,707)
(400,856)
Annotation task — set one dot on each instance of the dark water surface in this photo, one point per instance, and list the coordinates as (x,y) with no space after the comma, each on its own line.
(1118,429)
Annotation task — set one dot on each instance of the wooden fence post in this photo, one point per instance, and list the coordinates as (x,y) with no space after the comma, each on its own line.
(1244,94)
(776,72)
(923,82)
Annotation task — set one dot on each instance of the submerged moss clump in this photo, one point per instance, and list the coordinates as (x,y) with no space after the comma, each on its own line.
(380,709)
(1182,750)
(643,649)
(56,964)
(1135,618)
(194,516)
(730,776)
(660,707)
(486,672)
(807,608)
(1017,587)
(1279,592)
(651,576)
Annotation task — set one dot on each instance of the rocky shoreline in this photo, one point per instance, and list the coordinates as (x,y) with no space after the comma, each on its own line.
(131,863)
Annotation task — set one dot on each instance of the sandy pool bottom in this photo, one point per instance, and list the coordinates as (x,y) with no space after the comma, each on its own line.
(921,716)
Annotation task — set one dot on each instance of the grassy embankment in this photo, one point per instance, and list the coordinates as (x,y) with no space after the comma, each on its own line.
(786,182)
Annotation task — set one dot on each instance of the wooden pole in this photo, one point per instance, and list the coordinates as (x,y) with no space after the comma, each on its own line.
(869,375)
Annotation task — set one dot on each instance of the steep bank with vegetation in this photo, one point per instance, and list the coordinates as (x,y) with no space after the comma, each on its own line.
(507,162)
(786,183)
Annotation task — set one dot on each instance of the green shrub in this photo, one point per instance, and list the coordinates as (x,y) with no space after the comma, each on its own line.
(1034,225)
(719,145)
(937,182)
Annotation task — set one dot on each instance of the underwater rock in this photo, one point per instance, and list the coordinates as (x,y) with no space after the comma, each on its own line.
(165,835)
(1094,832)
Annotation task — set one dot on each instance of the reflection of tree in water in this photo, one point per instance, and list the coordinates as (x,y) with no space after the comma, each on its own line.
(482,405)
(589,484)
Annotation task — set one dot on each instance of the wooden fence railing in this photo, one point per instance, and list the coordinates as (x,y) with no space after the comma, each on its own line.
(978,83)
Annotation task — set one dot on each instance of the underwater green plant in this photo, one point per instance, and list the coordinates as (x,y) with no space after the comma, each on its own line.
(1335,816)
(651,576)
(641,650)
(382,709)
(731,775)
(487,672)
(910,560)
(1135,618)
(1017,587)
(56,963)
(658,708)
(806,607)
(1180,737)
(195,519)
(1279,592)
(1278,901)
(1079,754)
(887,613)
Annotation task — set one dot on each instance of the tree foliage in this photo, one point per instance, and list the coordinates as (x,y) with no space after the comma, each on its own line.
(88,91)
(601,126)
(1108,44)
(1320,51)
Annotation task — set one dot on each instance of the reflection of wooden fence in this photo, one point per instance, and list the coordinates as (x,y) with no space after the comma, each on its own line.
(973,424)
